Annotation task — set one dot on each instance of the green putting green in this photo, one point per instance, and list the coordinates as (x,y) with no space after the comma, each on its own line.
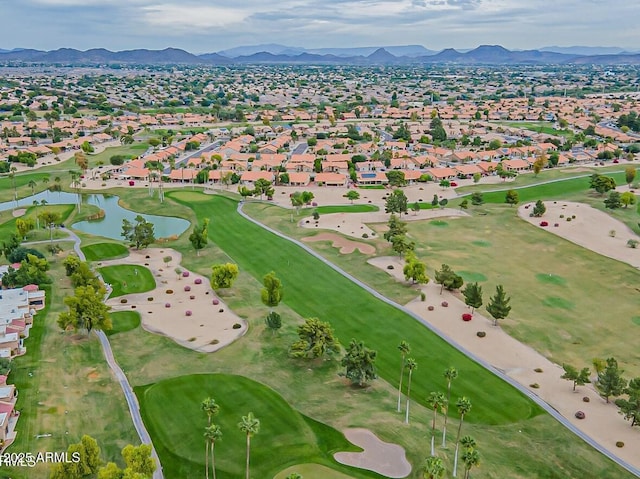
(127,279)
(439,223)
(102,251)
(312,471)
(636,320)
(472,276)
(286,437)
(481,243)
(382,327)
(124,321)
(557,302)
(550,278)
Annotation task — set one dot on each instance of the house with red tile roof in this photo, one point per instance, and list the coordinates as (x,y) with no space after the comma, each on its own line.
(331,179)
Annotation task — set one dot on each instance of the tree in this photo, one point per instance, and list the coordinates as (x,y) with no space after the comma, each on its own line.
(210,407)
(138,461)
(223,275)
(613,201)
(32,270)
(273,321)
(359,363)
(200,236)
(261,187)
(433,468)
(86,310)
(126,139)
(627,198)
(271,294)
(395,227)
(539,164)
(396,202)
(352,195)
(297,200)
(471,458)
(317,339)
(511,198)
(602,184)
(434,201)
(140,234)
(539,209)
(212,434)
(32,184)
(498,306)
(307,197)
(24,226)
(629,174)
(404,349)
(250,426)
(464,407)
(443,202)
(448,279)
(80,159)
(50,219)
(477,198)
(411,366)
(396,178)
(472,293)
(415,270)
(401,245)
(610,381)
(435,401)
(89,455)
(415,207)
(450,374)
(630,407)
(579,378)
(110,471)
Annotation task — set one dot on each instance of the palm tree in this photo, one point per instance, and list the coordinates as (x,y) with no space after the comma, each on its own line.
(35,204)
(211,408)
(433,468)
(464,406)
(32,184)
(45,181)
(404,350)
(435,401)
(250,426)
(411,365)
(212,434)
(470,457)
(450,374)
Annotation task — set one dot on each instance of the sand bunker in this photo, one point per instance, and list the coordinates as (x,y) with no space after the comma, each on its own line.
(355,224)
(591,228)
(346,246)
(188,315)
(378,456)
(19,212)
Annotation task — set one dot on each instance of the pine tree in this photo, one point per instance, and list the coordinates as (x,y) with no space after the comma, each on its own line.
(498,306)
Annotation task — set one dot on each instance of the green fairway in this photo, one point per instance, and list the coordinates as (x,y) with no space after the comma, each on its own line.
(127,279)
(549,278)
(103,251)
(472,276)
(21,182)
(379,325)
(124,321)
(286,437)
(129,151)
(312,471)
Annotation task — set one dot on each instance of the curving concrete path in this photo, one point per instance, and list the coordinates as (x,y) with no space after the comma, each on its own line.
(547,407)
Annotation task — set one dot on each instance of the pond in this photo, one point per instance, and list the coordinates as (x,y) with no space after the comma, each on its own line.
(111,225)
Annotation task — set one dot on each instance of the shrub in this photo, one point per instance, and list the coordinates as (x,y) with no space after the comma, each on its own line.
(561,216)
(187,288)
(612,233)
(198,281)
(586,399)
(429,308)
(215,302)
(544,223)
(169,291)
(214,341)
(481,334)
(444,304)
(556,224)
(133,306)
(619,444)
(188,312)
(632,243)
(192,296)
(124,301)
(534,386)
(150,298)
(185,274)
(390,266)
(365,235)
(192,339)
(573,217)
(568,219)
(237,326)
(167,305)
(538,370)
(466,317)
(580,415)
(422,296)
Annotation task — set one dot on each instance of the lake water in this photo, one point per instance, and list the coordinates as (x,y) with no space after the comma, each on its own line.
(111,225)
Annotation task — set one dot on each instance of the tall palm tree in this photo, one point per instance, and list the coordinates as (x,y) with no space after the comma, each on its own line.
(250,426)
(471,458)
(212,434)
(450,374)
(404,350)
(211,409)
(433,468)
(435,401)
(411,365)
(464,406)
(36,203)
(32,184)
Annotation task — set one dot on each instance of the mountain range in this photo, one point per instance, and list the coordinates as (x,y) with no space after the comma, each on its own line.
(274,53)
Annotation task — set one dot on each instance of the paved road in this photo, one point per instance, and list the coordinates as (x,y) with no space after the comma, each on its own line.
(561,419)
(132,401)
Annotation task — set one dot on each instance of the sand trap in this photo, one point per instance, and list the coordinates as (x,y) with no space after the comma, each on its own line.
(19,212)
(206,330)
(346,246)
(517,360)
(355,224)
(378,456)
(383,262)
(591,229)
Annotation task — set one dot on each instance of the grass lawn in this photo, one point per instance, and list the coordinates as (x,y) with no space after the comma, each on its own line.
(285,437)
(545,127)
(103,251)
(311,471)
(127,279)
(9,226)
(366,319)
(130,151)
(124,321)
(22,187)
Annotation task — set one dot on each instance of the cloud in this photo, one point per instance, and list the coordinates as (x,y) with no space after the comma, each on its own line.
(186,17)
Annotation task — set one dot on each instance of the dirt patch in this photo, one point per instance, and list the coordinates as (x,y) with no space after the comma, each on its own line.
(345,246)
(378,456)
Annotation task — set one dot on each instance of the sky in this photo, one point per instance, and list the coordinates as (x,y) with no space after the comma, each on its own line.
(213,25)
